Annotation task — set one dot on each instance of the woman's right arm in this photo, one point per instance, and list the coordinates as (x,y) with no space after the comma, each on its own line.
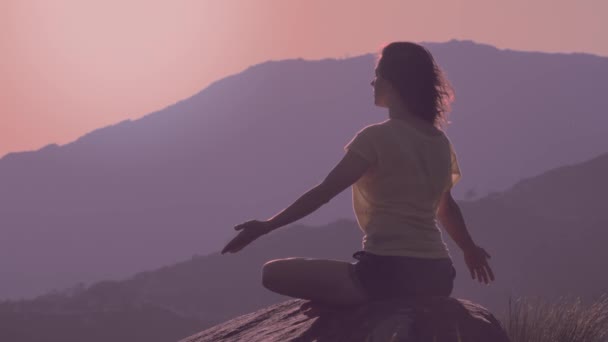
(475,257)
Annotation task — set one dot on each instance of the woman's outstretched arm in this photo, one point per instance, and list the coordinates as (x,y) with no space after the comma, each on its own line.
(344,174)
(349,169)
(475,257)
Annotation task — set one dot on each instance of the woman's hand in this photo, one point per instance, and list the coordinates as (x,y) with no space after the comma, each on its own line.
(476,260)
(250,231)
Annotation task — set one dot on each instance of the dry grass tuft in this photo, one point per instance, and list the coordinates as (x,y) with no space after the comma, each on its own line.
(537,320)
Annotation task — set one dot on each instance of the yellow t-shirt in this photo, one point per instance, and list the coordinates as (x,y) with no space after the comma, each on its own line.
(396,200)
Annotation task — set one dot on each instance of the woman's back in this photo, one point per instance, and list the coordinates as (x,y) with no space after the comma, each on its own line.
(396,201)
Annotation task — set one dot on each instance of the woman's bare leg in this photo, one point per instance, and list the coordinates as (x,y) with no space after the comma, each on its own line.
(322,280)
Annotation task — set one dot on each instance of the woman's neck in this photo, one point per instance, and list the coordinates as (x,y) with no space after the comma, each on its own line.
(401,112)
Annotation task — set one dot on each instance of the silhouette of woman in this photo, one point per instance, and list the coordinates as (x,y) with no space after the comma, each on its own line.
(401,171)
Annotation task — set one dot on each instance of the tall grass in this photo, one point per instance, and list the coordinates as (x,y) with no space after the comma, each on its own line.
(563,320)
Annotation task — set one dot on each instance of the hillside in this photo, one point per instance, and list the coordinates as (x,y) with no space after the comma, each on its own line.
(533,254)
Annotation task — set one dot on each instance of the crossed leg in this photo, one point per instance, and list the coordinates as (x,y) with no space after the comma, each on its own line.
(322,280)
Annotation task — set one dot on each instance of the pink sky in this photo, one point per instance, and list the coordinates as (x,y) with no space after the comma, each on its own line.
(71,66)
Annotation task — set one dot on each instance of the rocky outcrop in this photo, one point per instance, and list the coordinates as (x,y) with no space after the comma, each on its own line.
(438,319)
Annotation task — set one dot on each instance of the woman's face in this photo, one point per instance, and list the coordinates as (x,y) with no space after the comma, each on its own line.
(381,90)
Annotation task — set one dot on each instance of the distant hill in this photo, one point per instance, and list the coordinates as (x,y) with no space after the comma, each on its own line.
(137,324)
(533,254)
(157,190)
(575,192)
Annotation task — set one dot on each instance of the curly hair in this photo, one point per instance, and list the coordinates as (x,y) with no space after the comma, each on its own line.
(422,85)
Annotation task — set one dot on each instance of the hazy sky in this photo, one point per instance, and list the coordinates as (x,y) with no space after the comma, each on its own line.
(70,66)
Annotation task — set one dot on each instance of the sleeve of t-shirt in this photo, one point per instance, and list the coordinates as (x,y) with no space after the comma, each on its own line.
(362,144)
(456,174)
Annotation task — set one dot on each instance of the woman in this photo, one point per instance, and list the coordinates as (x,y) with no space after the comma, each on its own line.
(401,170)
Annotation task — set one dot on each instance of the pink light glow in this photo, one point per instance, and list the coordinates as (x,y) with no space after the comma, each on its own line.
(70,66)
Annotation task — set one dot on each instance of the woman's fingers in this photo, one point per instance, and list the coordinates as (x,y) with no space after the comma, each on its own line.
(248,224)
(489,270)
(486,267)
(242,225)
(243,238)
(481,275)
(478,275)
(228,247)
(484,275)
(232,245)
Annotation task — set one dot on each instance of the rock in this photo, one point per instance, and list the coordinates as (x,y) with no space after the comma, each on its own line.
(438,319)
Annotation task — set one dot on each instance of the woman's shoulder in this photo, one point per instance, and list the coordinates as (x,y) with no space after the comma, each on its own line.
(372,129)
(376,125)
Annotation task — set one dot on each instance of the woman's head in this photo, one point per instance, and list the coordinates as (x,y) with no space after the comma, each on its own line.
(407,72)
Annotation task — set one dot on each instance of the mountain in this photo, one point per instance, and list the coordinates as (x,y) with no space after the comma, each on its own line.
(533,254)
(156,190)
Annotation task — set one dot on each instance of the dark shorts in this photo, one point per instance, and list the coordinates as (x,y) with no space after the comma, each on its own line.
(383,277)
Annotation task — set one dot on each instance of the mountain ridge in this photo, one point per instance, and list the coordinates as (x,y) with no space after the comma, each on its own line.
(161,188)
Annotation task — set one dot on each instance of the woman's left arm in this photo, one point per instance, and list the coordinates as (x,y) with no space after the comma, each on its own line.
(344,174)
